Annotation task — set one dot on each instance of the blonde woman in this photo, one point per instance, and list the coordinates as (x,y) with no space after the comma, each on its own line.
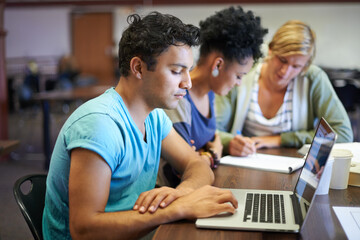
(281,99)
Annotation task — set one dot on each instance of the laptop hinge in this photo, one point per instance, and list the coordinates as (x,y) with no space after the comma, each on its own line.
(297,210)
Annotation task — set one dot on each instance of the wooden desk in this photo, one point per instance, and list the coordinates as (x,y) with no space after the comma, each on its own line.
(322,222)
(7,146)
(83,93)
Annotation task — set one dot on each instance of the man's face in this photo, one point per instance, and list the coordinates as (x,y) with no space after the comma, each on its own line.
(165,86)
(231,75)
(282,69)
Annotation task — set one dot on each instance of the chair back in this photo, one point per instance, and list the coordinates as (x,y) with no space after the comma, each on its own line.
(31,201)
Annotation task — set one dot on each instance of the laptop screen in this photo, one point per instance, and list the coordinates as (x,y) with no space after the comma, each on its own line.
(315,161)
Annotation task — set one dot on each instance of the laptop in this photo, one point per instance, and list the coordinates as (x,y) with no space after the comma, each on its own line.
(279,211)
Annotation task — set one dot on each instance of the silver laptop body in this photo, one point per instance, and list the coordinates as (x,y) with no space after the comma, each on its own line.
(282,211)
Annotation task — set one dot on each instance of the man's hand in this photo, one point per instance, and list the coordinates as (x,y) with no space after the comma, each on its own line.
(241,146)
(206,201)
(155,198)
(267,141)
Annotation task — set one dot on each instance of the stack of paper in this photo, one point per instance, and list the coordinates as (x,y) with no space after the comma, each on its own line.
(349,218)
(265,162)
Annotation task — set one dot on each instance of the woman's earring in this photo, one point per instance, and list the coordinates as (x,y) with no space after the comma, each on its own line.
(215,72)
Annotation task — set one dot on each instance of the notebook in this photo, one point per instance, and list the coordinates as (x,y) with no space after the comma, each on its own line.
(265,162)
(284,211)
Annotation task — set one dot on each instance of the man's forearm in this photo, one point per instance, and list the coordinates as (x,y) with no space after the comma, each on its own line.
(121,225)
(204,202)
(196,174)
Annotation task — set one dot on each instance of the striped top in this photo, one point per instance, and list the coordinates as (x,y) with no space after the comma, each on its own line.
(257,125)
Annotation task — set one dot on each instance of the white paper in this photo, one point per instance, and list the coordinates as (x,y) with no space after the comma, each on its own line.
(304,149)
(265,162)
(349,218)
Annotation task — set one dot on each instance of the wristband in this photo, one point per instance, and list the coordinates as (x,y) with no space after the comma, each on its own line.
(215,158)
(210,157)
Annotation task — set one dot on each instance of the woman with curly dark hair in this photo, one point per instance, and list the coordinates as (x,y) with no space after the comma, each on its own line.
(230,44)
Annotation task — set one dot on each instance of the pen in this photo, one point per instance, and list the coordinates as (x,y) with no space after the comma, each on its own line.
(238,132)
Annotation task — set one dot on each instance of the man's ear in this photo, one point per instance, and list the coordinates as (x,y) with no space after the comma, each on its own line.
(136,67)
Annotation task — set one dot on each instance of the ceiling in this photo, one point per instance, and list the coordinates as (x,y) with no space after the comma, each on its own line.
(21,3)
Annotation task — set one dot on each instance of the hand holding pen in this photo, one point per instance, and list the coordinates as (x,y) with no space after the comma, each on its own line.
(267,141)
(241,146)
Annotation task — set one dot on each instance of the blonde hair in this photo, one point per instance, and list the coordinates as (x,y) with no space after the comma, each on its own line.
(294,37)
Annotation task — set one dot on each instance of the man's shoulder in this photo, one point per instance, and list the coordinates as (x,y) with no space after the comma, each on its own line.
(99,113)
(158,115)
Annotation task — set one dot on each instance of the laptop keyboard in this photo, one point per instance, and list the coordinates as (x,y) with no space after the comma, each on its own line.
(264,208)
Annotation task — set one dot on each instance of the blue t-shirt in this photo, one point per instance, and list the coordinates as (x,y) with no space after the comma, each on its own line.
(104,125)
(191,124)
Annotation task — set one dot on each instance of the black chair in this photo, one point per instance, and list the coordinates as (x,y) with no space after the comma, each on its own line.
(31,201)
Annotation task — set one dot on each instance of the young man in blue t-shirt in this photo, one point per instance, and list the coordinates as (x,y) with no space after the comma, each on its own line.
(104,166)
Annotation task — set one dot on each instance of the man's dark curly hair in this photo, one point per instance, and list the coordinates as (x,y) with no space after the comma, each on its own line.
(234,33)
(148,37)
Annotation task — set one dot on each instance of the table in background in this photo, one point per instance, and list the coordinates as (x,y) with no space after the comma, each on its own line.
(7,146)
(83,93)
(322,222)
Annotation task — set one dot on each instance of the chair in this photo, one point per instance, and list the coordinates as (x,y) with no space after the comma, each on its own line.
(32,201)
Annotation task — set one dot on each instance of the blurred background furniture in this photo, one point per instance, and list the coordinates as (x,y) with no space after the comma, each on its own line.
(346,83)
(7,146)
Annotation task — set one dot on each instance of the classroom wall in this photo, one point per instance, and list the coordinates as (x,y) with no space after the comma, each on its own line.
(37,31)
(46,31)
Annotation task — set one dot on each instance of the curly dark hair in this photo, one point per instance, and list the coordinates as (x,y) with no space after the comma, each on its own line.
(148,37)
(234,33)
